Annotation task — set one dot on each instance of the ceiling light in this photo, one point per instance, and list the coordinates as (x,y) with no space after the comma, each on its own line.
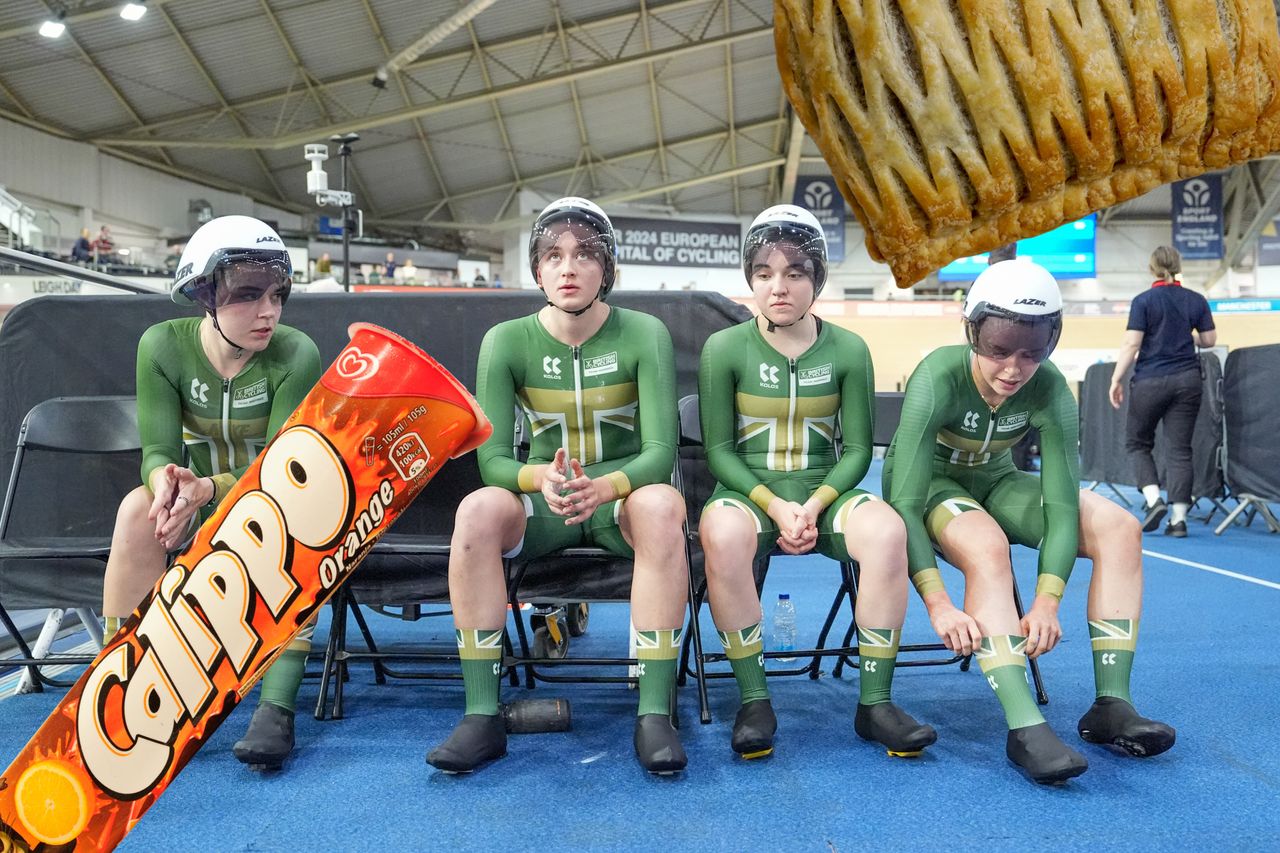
(133,11)
(53,28)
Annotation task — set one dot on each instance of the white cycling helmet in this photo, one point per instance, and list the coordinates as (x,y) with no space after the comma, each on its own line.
(1014,305)
(220,243)
(579,211)
(792,224)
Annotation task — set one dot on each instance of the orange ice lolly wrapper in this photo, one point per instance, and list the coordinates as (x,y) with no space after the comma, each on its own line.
(382,420)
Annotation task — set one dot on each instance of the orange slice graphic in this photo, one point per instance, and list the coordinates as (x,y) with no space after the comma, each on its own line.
(51,801)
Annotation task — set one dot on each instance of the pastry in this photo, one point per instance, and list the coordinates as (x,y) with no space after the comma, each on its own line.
(956,127)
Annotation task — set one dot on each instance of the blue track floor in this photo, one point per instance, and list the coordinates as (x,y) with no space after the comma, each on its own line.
(1207,663)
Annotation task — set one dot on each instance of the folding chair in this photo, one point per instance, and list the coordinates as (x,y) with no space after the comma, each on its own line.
(64,425)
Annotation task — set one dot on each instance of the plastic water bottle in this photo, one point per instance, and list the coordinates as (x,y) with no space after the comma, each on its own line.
(784,626)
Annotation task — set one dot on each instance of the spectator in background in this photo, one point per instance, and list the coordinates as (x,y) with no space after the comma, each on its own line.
(407,273)
(103,246)
(82,251)
(1166,324)
(479,280)
(389,270)
(497,280)
(324,266)
(172,258)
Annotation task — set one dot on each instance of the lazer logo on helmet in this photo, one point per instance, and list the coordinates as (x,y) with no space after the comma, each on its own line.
(267,238)
(202,618)
(184,271)
(1028,300)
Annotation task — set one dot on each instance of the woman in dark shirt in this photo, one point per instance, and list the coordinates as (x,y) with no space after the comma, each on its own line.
(1166,324)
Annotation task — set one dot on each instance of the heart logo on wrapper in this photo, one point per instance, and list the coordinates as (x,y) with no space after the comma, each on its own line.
(354,364)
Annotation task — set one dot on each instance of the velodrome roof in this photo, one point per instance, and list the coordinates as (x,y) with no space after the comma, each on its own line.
(673,104)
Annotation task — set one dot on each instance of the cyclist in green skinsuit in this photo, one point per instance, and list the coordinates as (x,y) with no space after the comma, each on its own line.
(774,392)
(211,392)
(596,386)
(950,474)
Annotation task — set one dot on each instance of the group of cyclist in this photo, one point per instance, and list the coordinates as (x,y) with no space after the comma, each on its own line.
(786,404)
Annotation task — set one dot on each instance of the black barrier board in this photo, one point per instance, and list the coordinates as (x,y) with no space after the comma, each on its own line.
(1252,408)
(1102,432)
(56,346)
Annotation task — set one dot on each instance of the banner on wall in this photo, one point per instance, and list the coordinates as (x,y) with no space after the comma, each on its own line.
(1269,245)
(678,243)
(1197,217)
(822,198)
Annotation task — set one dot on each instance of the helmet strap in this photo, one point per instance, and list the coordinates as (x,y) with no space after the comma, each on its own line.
(577,313)
(773,327)
(213,312)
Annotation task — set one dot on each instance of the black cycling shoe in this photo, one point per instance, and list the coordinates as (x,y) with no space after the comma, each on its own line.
(893,727)
(477,740)
(1155,514)
(1176,529)
(658,745)
(268,740)
(1045,758)
(1114,722)
(753,729)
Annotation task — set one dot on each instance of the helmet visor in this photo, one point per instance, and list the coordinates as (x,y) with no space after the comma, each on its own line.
(798,260)
(996,336)
(798,243)
(244,280)
(572,236)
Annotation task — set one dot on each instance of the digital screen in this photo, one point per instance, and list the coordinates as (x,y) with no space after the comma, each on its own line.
(1067,252)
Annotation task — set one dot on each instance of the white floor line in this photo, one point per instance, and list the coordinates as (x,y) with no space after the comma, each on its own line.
(1214,569)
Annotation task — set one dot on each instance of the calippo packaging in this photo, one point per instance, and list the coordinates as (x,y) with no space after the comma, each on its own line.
(382,420)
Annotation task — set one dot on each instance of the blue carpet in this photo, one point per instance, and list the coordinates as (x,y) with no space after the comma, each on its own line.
(1207,664)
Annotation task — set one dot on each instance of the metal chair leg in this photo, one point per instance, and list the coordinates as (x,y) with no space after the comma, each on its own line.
(1265,511)
(695,631)
(330,647)
(518,617)
(48,631)
(340,675)
(1041,696)
(92,626)
(1231,516)
(379,672)
(814,670)
(32,670)
(1120,496)
(838,671)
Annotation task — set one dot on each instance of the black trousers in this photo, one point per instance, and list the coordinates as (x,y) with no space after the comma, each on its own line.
(1175,400)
